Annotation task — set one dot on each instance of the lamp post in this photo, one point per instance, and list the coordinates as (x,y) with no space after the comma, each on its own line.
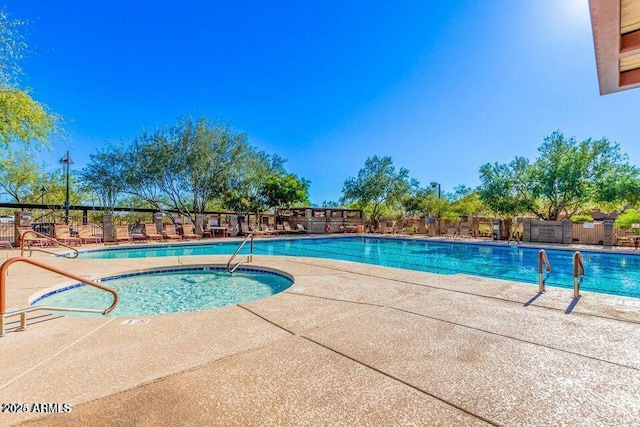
(66,161)
(434,185)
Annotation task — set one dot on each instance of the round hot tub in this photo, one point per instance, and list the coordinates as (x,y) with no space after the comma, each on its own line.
(170,290)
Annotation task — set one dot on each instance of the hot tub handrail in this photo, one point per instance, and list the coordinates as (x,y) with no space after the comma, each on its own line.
(250,236)
(542,258)
(578,269)
(43,236)
(23,312)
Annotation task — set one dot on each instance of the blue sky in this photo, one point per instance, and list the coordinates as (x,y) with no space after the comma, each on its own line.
(440,86)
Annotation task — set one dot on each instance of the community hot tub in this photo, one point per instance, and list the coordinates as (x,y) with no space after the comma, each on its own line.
(170,290)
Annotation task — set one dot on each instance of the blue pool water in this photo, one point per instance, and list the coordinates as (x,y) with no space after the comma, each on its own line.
(172,291)
(606,273)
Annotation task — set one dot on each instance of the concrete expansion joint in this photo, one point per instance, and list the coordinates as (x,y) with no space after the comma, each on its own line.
(401,381)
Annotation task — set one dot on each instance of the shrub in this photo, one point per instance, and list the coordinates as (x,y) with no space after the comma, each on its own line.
(579,219)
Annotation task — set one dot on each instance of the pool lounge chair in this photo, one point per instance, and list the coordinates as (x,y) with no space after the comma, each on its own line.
(63,235)
(288,229)
(300,228)
(32,239)
(151,233)
(122,234)
(187,232)
(398,227)
(170,232)
(6,244)
(84,232)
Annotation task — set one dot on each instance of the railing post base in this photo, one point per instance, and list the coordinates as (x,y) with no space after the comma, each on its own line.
(23,322)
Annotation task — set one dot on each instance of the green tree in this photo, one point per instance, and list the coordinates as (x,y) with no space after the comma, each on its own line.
(282,191)
(245,193)
(22,119)
(503,190)
(184,168)
(377,188)
(569,175)
(103,176)
(20,177)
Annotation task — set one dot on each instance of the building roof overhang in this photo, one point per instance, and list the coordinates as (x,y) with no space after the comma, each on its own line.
(616,36)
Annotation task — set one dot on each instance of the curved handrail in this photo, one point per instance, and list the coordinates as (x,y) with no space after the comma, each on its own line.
(250,255)
(542,258)
(43,236)
(578,268)
(3,284)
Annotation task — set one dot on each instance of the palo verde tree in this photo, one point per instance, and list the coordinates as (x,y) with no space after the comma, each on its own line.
(22,119)
(377,188)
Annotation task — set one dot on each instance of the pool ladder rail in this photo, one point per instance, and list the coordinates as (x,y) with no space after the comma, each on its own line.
(578,270)
(542,258)
(248,257)
(23,312)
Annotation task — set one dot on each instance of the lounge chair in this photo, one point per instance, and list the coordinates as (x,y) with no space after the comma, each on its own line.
(6,244)
(288,229)
(398,227)
(84,232)
(63,235)
(187,232)
(170,232)
(122,234)
(452,232)
(465,232)
(151,232)
(300,228)
(29,239)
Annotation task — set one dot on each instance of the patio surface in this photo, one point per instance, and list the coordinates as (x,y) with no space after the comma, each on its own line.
(346,344)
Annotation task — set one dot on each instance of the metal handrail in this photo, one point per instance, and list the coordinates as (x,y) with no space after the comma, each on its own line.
(542,258)
(249,255)
(43,236)
(23,312)
(578,268)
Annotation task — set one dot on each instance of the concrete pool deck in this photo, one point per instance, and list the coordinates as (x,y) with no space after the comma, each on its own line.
(347,344)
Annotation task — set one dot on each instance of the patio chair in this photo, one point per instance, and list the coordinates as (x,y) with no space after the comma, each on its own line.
(85,234)
(122,234)
(151,233)
(300,228)
(6,244)
(63,235)
(288,229)
(170,232)
(187,232)
(465,232)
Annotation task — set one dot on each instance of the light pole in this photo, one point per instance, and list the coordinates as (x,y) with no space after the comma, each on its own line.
(43,191)
(434,185)
(66,161)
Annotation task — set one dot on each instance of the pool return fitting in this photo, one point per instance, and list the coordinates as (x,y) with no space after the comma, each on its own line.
(23,312)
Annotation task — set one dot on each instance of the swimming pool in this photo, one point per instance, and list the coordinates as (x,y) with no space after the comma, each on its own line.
(170,290)
(605,273)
